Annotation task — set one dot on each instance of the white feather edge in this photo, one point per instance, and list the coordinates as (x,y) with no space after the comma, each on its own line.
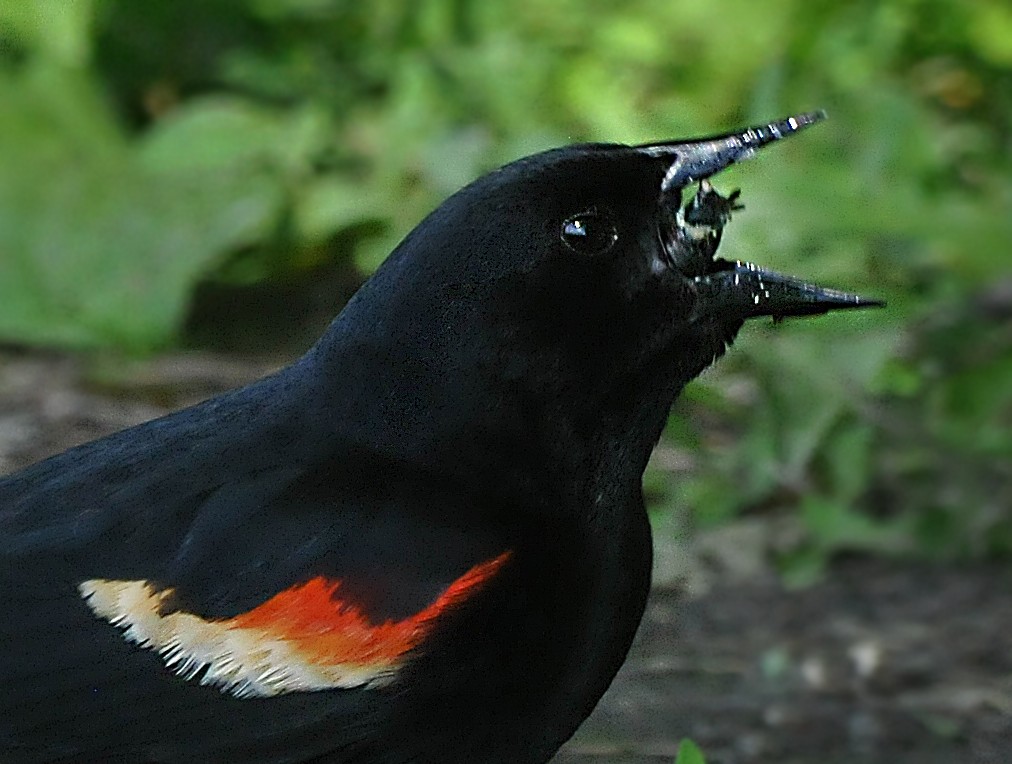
(243,662)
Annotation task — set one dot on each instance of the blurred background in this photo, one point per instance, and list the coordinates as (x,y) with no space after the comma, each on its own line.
(189,190)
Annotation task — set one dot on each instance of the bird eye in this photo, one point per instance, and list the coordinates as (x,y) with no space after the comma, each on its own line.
(589,233)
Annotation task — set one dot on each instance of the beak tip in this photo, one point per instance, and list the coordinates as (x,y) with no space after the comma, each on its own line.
(811,117)
(816,299)
(751,292)
(698,159)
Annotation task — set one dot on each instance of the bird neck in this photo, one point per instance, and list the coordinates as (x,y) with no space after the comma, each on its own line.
(471,417)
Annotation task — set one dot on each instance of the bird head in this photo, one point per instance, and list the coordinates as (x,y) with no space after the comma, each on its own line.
(582,281)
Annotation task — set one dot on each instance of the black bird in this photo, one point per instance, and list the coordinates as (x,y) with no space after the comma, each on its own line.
(423,541)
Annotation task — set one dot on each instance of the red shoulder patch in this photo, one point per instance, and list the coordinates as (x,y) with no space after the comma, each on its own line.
(303,638)
(313,618)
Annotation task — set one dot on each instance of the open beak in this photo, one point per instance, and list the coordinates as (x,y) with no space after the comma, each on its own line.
(691,234)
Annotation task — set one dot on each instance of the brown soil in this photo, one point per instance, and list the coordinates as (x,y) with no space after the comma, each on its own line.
(881,664)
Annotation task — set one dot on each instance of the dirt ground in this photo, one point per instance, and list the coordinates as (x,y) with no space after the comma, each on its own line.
(883,663)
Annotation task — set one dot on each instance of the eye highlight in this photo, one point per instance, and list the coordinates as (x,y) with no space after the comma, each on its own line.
(591,232)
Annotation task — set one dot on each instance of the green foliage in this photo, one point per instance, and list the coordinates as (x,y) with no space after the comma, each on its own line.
(150,148)
(689,753)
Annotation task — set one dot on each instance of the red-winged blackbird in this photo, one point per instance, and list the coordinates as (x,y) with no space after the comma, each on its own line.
(424,541)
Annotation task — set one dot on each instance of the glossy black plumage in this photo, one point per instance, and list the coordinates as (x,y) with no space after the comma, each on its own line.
(495,389)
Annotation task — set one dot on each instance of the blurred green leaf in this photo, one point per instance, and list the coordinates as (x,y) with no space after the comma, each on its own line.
(991,30)
(209,135)
(836,526)
(689,753)
(137,271)
(59,31)
(96,248)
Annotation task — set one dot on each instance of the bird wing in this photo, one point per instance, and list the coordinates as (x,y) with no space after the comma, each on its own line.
(147,599)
